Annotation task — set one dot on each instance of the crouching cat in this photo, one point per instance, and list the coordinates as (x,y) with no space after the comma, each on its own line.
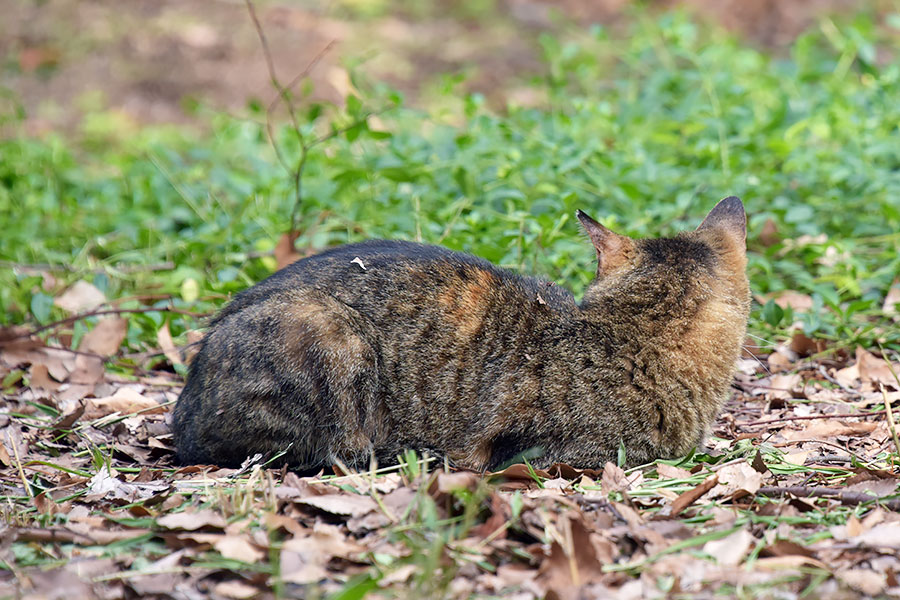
(376,347)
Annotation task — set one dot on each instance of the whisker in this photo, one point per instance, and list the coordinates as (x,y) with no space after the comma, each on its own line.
(761,363)
(762,339)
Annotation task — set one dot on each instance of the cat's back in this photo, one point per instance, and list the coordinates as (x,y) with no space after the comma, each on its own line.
(385,270)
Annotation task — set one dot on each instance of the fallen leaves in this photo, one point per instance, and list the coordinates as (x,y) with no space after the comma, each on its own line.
(285,250)
(692,495)
(341,504)
(126,400)
(730,551)
(892,299)
(573,561)
(105,338)
(81,297)
(167,344)
(193,520)
(798,302)
(239,548)
(800,446)
(736,481)
(827,428)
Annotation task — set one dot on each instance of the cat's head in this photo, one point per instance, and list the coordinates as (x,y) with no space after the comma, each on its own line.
(708,263)
(676,308)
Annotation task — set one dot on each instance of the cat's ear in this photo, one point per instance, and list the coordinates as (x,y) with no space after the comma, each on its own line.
(728,216)
(613,250)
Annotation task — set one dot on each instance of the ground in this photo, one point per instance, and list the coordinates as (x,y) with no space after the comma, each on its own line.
(154,62)
(795,494)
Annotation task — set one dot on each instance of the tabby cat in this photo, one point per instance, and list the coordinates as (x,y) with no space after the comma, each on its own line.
(371,348)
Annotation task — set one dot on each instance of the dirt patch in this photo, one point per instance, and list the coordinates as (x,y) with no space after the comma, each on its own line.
(157,61)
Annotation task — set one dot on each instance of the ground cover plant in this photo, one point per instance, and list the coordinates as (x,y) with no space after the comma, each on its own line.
(116,247)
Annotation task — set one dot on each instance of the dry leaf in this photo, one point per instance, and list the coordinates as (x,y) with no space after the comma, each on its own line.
(854,526)
(876,487)
(689,497)
(520,472)
(167,345)
(779,361)
(236,589)
(892,299)
(848,376)
(874,369)
(239,548)
(106,484)
(125,401)
(806,346)
(200,36)
(88,370)
(341,504)
(875,517)
(866,581)
(5,458)
(295,570)
(786,548)
(795,561)
(509,575)
(557,484)
(494,525)
(105,338)
(103,482)
(399,575)
(730,551)
(572,563)
(784,385)
(768,235)
(797,458)
(285,252)
(81,297)
(452,482)
(669,472)
(303,558)
(613,479)
(192,521)
(39,378)
(738,480)
(828,428)
(884,535)
(798,302)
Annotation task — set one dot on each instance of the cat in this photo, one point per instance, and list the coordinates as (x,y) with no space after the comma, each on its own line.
(375,347)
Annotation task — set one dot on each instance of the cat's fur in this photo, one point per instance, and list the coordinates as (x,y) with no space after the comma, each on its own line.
(375,347)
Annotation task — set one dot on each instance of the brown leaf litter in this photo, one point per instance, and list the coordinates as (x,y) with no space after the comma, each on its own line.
(797,487)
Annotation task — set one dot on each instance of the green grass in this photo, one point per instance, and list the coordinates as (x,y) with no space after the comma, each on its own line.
(645,131)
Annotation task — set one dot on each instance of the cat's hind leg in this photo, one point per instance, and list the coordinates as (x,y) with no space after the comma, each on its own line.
(297,373)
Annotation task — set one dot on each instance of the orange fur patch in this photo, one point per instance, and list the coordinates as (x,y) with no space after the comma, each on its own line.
(465,303)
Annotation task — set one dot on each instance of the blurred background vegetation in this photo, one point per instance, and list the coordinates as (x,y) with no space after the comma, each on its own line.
(135,152)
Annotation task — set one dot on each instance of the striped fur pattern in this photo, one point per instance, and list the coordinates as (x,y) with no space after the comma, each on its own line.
(371,348)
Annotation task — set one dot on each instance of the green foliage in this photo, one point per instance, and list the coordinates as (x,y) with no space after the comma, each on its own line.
(645,131)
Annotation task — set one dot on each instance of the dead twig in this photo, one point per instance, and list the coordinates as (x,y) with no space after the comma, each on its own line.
(111,311)
(283,95)
(861,459)
(850,498)
(39,534)
(811,417)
